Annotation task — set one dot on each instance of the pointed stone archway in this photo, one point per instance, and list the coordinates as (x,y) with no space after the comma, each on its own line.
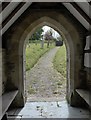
(24,28)
(61,30)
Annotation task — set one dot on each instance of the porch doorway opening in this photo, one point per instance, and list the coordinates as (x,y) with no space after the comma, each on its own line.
(45,62)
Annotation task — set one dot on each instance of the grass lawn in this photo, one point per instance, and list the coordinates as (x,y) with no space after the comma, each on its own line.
(59,61)
(33,53)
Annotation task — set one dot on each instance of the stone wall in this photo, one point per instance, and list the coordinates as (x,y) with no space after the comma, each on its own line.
(87,60)
(64,23)
(3,76)
(89,78)
(0,72)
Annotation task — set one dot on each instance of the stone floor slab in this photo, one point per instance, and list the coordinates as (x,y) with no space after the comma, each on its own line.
(51,110)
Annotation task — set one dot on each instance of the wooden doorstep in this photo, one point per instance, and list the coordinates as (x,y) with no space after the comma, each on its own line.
(7,99)
(85,94)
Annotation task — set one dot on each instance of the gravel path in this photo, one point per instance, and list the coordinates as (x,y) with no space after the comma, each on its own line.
(44,83)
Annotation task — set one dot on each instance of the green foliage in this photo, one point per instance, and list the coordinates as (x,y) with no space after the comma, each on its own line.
(59,61)
(37,35)
(33,53)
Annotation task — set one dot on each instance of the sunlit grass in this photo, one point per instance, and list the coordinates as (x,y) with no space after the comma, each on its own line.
(33,53)
(59,61)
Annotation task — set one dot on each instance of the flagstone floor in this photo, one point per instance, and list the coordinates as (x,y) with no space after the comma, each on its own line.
(48,110)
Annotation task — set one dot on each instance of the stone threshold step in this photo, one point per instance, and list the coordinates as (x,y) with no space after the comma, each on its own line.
(6,100)
(85,94)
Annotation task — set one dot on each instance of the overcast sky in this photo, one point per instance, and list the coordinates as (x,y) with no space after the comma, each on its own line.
(55,34)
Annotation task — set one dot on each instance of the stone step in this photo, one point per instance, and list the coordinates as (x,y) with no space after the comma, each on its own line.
(7,99)
(85,94)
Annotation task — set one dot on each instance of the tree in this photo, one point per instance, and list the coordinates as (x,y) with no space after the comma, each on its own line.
(48,36)
(37,35)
